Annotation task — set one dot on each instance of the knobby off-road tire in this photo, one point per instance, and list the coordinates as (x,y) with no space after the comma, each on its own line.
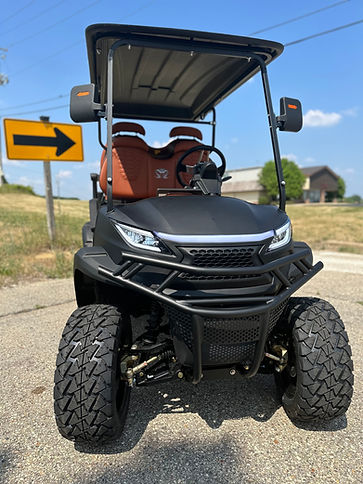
(320,357)
(90,400)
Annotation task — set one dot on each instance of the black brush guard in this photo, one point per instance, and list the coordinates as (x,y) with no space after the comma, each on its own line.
(97,264)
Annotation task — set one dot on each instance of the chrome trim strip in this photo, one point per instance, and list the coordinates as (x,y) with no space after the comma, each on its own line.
(216,239)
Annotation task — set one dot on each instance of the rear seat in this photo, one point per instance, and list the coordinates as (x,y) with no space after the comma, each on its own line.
(139,170)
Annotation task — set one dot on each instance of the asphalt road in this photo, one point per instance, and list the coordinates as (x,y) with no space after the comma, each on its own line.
(216,432)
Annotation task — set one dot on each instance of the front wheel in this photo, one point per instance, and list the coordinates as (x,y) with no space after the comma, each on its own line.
(317,383)
(90,400)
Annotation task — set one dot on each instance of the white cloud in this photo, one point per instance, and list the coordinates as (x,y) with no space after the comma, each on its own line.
(290,156)
(309,159)
(349,171)
(315,117)
(12,162)
(93,164)
(234,140)
(64,174)
(25,180)
(157,144)
(350,112)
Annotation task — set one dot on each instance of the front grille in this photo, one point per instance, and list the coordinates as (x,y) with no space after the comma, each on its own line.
(229,331)
(222,257)
(242,353)
(195,277)
(275,315)
(225,340)
(219,257)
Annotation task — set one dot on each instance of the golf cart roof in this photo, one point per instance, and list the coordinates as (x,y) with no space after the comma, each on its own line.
(171,74)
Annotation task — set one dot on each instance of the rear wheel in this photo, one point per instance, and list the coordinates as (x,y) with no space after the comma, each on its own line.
(317,383)
(90,400)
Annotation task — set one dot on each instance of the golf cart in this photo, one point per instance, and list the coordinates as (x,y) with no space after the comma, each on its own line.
(213,275)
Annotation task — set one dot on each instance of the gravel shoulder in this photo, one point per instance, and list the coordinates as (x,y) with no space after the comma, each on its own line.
(215,432)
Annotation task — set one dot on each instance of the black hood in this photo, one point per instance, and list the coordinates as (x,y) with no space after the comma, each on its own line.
(200,215)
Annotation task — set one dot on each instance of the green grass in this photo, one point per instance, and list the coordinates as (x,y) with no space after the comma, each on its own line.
(26,253)
(327,227)
(12,188)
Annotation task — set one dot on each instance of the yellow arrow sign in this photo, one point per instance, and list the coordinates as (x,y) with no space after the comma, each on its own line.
(38,140)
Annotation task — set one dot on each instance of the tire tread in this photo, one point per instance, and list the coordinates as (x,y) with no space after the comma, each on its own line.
(83,391)
(324,385)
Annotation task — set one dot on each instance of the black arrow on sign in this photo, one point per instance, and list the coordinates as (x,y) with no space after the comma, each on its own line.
(61,141)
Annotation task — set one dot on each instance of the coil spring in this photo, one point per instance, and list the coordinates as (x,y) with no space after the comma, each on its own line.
(166,355)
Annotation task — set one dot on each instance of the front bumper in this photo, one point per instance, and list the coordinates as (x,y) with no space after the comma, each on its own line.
(201,312)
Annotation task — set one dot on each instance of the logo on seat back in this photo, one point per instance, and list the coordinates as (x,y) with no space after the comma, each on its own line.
(161,173)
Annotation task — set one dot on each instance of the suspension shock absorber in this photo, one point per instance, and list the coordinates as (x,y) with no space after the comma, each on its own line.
(131,372)
(153,323)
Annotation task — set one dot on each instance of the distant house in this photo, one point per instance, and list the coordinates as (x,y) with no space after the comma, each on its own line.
(319,181)
(245,185)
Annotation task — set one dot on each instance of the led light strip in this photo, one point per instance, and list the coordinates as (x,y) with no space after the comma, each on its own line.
(212,239)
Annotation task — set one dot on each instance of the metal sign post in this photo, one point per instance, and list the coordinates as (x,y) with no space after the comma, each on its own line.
(48,192)
(2,176)
(49,200)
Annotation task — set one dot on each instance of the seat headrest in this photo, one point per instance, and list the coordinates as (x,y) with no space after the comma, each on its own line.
(130,127)
(185,131)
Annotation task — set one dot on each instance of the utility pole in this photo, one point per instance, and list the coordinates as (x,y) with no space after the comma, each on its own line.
(3,77)
(3,80)
(48,193)
(2,174)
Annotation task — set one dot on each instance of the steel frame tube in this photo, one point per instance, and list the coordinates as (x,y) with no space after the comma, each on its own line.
(197,48)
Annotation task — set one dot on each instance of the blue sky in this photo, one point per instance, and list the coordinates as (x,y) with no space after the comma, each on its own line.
(46,56)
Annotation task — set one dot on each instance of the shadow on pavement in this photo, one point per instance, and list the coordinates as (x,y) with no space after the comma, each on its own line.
(334,425)
(6,463)
(213,401)
(202,462)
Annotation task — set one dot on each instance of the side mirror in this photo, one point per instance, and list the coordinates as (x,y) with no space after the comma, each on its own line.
(290,118)
(83,108)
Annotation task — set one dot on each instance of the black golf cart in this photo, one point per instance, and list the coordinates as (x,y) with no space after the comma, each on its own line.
(213,275)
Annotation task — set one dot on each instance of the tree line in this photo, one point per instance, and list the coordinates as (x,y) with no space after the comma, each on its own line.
(295,180)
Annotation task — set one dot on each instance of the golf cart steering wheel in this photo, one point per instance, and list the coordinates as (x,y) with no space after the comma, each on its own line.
(182,168)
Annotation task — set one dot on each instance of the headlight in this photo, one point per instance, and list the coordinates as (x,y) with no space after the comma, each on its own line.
(142,239)
(282,236)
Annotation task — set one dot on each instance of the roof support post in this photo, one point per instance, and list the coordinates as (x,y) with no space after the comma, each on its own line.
(274,139)
(214,127)
(109,126)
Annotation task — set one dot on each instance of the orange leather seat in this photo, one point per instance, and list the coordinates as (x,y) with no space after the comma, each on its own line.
(139,170)
(163,161)
(129,164)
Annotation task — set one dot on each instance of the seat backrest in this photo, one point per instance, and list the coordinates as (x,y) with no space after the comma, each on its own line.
(139,170)
(129,164)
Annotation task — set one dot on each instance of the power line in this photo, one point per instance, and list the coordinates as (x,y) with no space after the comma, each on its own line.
(51,56)
(53,25)
(17,11)
(35,102)
(323,33)
(66,48)
(295,19)
(28,20)
(76,43)
(38,110)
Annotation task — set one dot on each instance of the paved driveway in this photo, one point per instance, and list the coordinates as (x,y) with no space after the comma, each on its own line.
(216,432)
